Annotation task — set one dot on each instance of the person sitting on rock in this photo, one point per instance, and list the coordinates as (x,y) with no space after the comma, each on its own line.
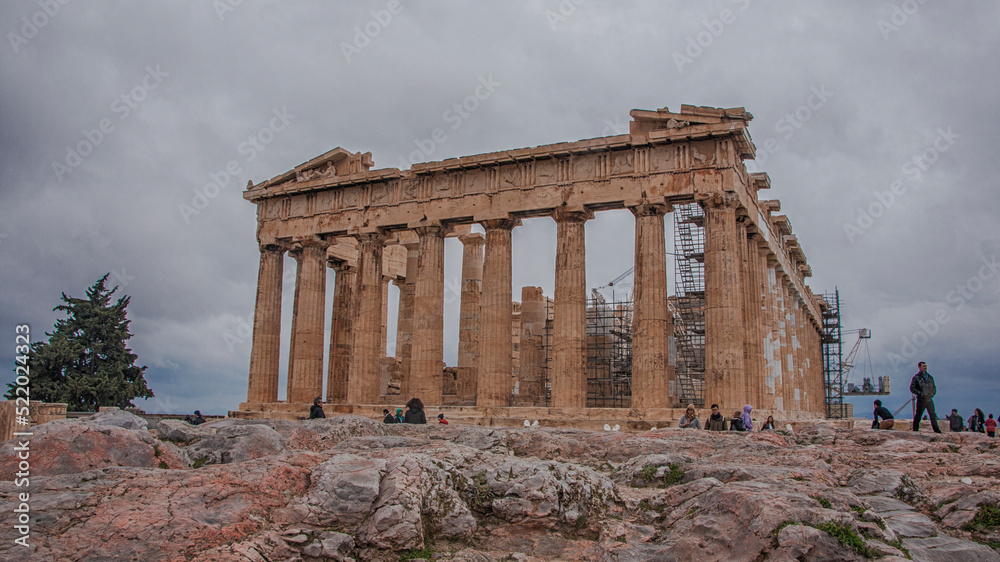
(884,413)
(387,417)
(716,421)
(197,418)
(414,412)
(441,419)
(955,421)
(690,419)
(316,411)
(768,425)
(991,426)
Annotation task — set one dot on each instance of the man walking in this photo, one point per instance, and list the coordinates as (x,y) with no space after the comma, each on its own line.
(923,389)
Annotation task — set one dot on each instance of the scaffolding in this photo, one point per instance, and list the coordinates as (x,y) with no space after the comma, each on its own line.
(609,352)
(689,303)
(833,374)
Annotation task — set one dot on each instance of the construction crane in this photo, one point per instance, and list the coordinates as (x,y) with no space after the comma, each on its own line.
(867,387)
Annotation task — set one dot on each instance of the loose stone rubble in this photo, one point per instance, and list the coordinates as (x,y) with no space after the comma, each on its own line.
(349,488)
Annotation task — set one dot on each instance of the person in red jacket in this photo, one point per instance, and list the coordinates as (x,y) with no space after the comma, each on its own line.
(441,419)
(991,426)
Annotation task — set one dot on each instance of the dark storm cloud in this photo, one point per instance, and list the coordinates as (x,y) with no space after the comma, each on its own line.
(178,101)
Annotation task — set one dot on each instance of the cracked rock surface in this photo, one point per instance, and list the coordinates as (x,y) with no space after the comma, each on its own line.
(350,488)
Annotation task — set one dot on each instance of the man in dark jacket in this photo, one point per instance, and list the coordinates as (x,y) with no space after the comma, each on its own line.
(716,421)
(955,421)
(923,389)
(316,411)
(884,413)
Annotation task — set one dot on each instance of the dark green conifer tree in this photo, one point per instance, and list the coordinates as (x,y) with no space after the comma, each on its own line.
(86,362)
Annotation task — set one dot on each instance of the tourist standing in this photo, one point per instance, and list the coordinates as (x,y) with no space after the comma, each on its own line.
(923,389)
(414,412)
(716,421)
(882,412)
(977,421)
(991,426)
(690,419)
(955,421)
(316,411)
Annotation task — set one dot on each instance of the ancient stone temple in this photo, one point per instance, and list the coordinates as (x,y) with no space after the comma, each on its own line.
(758,324)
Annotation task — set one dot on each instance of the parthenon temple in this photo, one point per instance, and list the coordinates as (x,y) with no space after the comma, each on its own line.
(740,327)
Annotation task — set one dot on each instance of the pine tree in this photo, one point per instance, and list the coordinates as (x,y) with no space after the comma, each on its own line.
(86,362)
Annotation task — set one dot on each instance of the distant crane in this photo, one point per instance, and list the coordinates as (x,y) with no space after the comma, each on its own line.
(867,388)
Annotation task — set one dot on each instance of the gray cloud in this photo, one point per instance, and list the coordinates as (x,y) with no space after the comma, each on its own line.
(192,278)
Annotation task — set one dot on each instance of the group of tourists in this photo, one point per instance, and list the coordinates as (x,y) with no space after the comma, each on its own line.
(740,421)
(414,414)
(923,389)
(977,422)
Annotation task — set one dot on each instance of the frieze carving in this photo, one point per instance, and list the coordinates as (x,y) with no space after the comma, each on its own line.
(320,172)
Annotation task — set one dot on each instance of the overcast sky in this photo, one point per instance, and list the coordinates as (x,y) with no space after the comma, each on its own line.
(876,120)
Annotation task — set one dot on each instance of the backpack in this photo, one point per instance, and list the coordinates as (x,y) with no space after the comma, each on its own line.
(736,425)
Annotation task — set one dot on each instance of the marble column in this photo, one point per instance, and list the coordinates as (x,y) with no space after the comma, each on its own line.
(785,331)
(569,322)
(762,332)
(651,320)
(341,337)
(366,358)
(747,376)
(428,318)
(531,351)
(495,349)
(724,334)
(266,345)
(469,315)
(296,254)
(774,376)
(404,320)
(306,381)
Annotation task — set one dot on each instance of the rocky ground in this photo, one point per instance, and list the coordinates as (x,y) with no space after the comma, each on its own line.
(345,488)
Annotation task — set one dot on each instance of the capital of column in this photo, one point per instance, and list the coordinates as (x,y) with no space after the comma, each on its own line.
(472,239)
(274,247)
(340,266)
(500,224)
(563,214)
(377,237)
(650,209)
(721,200)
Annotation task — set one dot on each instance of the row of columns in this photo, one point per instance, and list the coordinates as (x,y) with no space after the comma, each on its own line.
(759,342)
(745,294)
